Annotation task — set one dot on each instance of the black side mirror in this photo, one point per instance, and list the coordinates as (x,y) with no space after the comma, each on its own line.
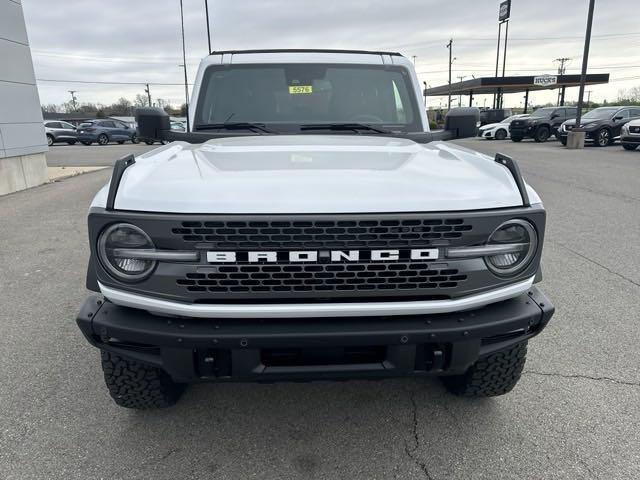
(555,115)
(462,122)
(151,123)
(618,117)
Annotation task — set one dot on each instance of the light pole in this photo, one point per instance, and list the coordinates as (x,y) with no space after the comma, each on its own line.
(450,47)
(206,12)
(576,138)
(184,65)
(73,99)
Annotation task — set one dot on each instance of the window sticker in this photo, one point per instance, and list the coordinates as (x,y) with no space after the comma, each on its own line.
(300,89)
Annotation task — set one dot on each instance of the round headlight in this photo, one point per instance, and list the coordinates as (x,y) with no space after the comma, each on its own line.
(522,236)
(113,245)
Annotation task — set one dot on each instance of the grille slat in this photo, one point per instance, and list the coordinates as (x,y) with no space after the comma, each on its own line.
(307,278)
(234,235)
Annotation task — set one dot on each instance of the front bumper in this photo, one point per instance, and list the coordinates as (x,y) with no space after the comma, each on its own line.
(630,139)
(199,349)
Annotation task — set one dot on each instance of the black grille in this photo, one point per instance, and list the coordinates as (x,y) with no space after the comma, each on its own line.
(322,234)
(634,129)
(356,277)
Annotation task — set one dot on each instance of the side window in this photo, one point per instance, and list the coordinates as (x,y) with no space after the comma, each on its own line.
(66,125)
(54,125)
(560,113)
(623,113)
(634,112)
(108,124)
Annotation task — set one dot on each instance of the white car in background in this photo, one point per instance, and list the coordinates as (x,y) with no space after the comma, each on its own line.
(630,135)
(498,131)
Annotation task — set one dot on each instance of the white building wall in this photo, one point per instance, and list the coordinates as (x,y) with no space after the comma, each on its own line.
(22,139)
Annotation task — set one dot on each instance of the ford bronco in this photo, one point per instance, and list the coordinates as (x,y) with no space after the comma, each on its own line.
(306,226)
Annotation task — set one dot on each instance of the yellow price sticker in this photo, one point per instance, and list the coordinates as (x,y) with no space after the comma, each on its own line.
(297,89)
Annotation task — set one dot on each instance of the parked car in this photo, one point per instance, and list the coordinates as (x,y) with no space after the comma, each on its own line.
(542,123)
(630,135)
(498,131)
(602,125)
(494,115)
(60,132)
(175,126)
(104,131)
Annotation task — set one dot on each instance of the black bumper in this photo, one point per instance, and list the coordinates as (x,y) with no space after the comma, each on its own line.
(194,349)
(630,140)
(521,132)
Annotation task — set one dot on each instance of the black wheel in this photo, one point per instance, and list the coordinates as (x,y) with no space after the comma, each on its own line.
(492,375)
(49,139)
(135,139)
(629,146)
(603,137)
(103,139)
(563,140)
(542,134)
(149,142)
(120,142)
(516,139)
(136,385)
(71,142)
(86,142)
(501,134)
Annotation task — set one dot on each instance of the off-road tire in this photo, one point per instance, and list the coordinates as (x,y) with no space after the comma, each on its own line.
(136,385)
(542,134)
(50,139)
(501,134)
(516,139)
(629,146)
(492,375)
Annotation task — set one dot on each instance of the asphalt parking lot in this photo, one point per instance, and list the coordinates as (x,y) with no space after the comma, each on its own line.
(574,414)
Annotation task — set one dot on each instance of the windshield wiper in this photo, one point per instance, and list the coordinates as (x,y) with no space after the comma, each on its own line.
(254,127)
(356,127)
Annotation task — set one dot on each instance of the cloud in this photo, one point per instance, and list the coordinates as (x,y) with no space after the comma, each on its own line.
(139,41)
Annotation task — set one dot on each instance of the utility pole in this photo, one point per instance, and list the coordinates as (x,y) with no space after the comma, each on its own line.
(73,99)
(561,70)
(450,47)
(184,64)
(460,77)
(588,98)
(148,92)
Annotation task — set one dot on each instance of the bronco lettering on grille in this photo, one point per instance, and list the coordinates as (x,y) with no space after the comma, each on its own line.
(327,256)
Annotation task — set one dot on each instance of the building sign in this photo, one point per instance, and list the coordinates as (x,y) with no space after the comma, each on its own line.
(505,11)
(545,80)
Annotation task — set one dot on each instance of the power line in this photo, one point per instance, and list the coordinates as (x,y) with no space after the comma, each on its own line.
(96,82)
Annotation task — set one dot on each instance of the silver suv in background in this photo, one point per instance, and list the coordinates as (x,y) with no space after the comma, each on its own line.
(60,132)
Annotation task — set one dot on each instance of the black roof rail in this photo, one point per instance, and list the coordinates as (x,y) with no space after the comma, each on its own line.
(118,170)
(511,164)
(304,50)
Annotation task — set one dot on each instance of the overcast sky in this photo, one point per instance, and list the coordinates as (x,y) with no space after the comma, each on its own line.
(139,41)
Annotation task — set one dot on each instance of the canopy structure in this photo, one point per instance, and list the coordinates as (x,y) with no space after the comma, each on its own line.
(523,84)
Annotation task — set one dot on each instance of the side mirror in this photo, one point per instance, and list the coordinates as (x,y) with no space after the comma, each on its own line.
(151,123)
(555,115)
(462,122)
(618,117)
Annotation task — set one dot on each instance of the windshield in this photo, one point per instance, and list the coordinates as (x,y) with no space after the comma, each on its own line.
(509,119)
(543,112)
(286,96)
(602,112)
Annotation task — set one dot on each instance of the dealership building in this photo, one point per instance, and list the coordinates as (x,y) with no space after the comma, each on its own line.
(22,140)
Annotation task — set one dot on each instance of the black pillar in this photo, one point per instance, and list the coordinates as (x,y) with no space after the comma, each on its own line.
(526,100)
(471,98)
(562,95)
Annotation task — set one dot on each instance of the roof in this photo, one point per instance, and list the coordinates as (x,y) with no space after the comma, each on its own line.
(514,84)
(304,50)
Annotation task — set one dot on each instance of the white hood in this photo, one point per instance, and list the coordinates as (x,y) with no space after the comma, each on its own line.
(490,126)
(313,174)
